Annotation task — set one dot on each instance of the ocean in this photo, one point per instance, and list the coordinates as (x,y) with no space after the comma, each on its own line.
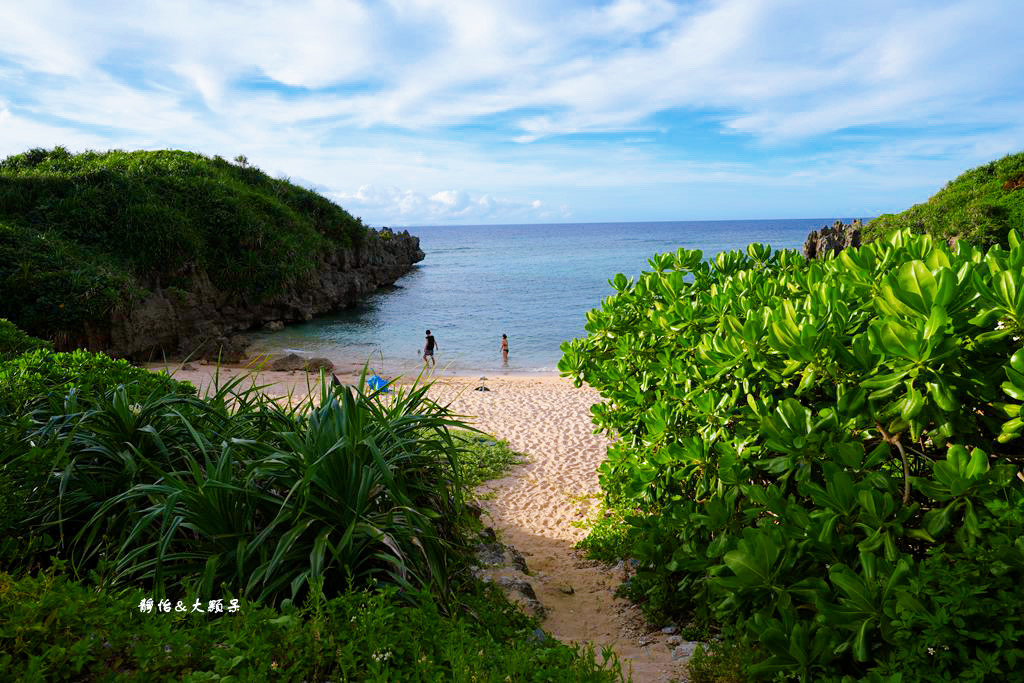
(534,283)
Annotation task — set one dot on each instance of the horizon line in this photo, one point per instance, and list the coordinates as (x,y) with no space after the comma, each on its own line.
(828,222)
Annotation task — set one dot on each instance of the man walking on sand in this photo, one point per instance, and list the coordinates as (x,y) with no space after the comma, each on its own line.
(428,349)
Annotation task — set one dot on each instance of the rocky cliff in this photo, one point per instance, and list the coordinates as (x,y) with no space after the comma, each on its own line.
(835,239)
(203,321)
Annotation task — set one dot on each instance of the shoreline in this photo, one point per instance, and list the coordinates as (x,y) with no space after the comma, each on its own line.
(203,374)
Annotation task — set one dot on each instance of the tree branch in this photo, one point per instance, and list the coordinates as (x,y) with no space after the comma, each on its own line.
(894,440)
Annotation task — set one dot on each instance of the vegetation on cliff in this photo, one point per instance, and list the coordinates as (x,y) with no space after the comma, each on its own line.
(84,234)
(14,342)
(981,206)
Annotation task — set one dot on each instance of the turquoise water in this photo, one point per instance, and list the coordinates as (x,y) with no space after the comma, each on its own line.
(534,283)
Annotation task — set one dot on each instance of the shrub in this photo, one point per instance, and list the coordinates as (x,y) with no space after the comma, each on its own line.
(33,377)
(483,457)
(718,663)
(240,489)
(54,629)
(808,445)
(43,385)
(14,342)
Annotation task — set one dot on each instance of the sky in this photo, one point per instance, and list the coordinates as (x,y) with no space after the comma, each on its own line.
(434,112)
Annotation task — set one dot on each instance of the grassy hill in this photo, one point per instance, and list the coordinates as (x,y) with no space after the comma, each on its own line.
(981,206)
(82,235)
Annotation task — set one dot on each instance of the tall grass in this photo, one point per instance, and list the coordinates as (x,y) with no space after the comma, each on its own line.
(243,492)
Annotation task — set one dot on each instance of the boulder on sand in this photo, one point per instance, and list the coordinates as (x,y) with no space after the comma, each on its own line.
(292,361)
(317,364)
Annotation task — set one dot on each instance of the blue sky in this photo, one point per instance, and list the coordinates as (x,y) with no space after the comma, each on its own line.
(422,112)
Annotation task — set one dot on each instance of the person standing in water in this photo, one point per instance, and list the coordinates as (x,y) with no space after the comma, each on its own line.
(504,347)
(428,349)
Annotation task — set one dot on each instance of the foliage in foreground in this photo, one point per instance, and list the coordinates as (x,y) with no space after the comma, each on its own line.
(130,482)
(981,206)
(239,491)
(54,629)
(824,457)
(84,234)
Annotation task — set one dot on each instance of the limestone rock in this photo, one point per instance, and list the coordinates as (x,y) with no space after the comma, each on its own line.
(224,349)
(500,555)
(522,593)
(684,649)
(205,320)
(840,236)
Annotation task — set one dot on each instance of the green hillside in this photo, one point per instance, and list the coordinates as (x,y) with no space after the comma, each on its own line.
(83,234)
(981,206)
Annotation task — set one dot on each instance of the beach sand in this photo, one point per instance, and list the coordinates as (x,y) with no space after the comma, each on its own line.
(534,507)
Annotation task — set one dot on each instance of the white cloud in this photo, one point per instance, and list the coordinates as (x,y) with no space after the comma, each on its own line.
(434,63)
(395,206)
(350,93)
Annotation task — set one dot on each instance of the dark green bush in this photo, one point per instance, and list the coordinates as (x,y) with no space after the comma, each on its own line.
(54,629)
(82,235)
(32,377)
(981,206)
(823,456)
(263,494)
(43,385)
(14,342)
(718,663)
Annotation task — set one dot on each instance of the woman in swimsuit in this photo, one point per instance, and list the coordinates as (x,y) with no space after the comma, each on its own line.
(504,347)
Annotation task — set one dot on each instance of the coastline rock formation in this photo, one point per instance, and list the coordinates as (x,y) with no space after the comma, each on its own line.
(152,254)
(840,236)
(202,321)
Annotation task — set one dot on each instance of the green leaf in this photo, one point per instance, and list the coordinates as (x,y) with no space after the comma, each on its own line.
(860,643)
(917,286)
(978,464)
(936,322)
(912,403)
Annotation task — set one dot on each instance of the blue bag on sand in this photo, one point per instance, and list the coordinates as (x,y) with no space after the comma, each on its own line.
(377,382)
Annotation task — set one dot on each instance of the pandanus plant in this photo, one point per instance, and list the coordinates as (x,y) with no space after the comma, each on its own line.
(260,496)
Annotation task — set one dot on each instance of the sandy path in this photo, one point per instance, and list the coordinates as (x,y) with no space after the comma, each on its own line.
(533,508)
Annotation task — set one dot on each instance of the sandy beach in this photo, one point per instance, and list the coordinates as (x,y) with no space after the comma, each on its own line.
(534,507)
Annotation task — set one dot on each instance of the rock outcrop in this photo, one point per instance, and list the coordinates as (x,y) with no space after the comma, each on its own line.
(840,236)
(506,566)
(202,321)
